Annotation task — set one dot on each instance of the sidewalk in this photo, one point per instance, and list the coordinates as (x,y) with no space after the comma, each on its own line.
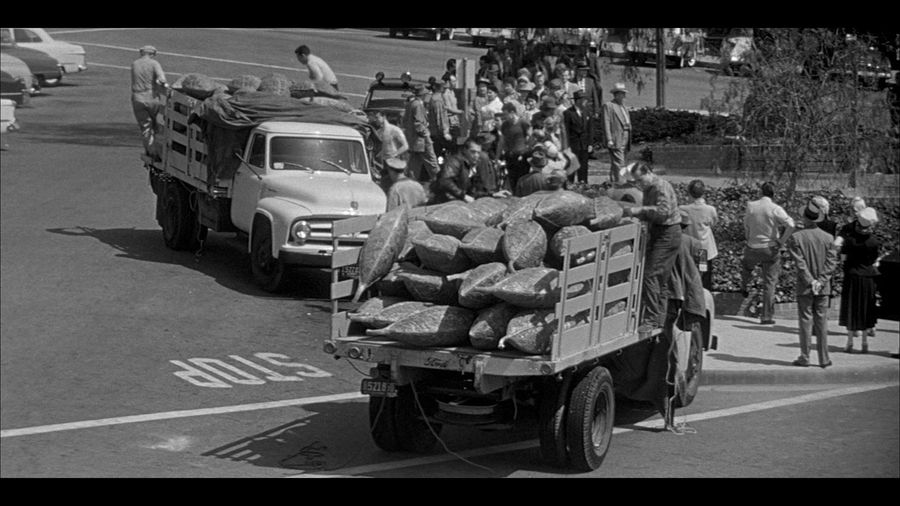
(750,353)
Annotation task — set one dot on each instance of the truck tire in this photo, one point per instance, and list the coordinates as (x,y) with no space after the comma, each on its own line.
(694,369)
(268,271)
(590,418)
(554,403)
(180,225)
(400,426)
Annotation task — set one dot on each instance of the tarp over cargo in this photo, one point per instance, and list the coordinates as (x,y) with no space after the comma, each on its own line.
(227,121)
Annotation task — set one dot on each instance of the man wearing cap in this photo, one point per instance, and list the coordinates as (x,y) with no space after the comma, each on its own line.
(535,180)
(403,190)
(816,257)
(146,77)
(617,130)
(318,69)
(514,131)
(455,179)
(660,210)
(421,149)
(580,131)
(762,222)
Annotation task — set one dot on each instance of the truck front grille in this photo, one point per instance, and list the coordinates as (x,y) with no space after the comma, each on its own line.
(321,233)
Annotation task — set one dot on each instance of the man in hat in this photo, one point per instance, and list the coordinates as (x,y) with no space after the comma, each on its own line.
(580,130)
(439,120)
(816,257)
(317,67)
(403,190)
(455,179)
(147,77)
(514,131)
(535,180)
(617,130)
(421,149)
(589,86)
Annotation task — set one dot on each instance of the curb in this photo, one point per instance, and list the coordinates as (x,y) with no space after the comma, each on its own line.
(798,375)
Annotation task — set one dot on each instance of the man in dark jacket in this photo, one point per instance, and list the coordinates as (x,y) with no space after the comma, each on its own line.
(455,179)
(421,149)
(580,129)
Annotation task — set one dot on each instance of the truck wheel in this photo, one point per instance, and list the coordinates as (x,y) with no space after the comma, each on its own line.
(400,426)
(590,418)
(694,367)
(552,421)
(179,223)
(268,271)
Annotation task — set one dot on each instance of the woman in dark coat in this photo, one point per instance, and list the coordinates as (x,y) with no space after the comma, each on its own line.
(860,247)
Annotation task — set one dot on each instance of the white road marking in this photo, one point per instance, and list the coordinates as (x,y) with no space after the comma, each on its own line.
(653,424)
(168,415)
(94,64)
(173,444)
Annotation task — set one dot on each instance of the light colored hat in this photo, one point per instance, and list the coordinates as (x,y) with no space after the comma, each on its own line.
(619,88)
(396,164)
(625,172)
(812,212)
(858,204)
(148,50)
(867,217)
(823,204)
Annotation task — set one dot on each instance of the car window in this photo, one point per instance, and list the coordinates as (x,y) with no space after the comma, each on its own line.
(258,151)
(26,35)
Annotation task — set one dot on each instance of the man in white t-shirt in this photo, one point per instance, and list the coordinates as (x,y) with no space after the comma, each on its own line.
(318,69)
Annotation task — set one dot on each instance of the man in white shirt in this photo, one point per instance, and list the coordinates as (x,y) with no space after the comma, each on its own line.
(764,241)
(147,77)
(318,69)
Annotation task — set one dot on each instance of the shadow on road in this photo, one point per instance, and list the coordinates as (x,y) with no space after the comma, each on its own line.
(222,259)
(748,360)
(89,134)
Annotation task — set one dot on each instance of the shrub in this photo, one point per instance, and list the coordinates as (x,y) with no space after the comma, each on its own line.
(663,125)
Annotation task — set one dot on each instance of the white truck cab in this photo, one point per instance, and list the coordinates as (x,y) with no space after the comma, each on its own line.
(293,181)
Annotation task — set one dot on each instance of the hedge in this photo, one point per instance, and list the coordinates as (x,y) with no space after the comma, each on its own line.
(683,127)
(730,203)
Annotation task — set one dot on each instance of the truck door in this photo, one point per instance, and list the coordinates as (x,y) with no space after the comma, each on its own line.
(246,186)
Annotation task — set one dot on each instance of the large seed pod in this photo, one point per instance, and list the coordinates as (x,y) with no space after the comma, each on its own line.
(490,325)
(535,287)
(521,209)
(431,286)
(381,248)
(455,220)
(395,313)
(441,253)
(470,294)
(482,245)
(490,209)
(607,213)
(392,286)
(562,209)
(555,253)
(368,309)
(434,326)
(416,229)
(530,331)
(524,245)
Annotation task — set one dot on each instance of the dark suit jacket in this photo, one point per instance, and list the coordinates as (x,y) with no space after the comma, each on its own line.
(580,129)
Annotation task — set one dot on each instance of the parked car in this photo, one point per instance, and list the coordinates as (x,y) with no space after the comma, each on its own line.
(17,69)
(12,88)
(432,33)
(70,56)
(390,94)
(44,67)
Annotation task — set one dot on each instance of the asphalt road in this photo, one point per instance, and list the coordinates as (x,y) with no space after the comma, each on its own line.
(123,358)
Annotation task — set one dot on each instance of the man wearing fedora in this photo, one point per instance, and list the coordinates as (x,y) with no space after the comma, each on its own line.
(617,131)
(535,180)
(403,190)
(580,129)
(147,77)
(418,136)
(816,257)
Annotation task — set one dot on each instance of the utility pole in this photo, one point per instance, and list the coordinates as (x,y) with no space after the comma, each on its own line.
(660,69)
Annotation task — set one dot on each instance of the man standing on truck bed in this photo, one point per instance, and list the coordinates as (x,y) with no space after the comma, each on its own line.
(660,210)
(146,75)
(318,69)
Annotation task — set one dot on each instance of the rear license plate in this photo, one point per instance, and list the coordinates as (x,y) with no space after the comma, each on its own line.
(350,271)
(379,388)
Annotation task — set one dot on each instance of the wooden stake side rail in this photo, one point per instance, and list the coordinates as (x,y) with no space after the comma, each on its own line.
(591,335)
(185,155)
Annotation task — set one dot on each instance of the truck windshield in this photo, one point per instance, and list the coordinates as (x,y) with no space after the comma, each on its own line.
(324,155)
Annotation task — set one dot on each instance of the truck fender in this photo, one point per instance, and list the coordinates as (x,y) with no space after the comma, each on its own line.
(281,213)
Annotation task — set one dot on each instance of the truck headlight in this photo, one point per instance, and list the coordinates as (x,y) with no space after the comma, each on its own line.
(300,231)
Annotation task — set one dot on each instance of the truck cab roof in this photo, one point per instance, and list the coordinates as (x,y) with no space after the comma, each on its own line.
(303,128)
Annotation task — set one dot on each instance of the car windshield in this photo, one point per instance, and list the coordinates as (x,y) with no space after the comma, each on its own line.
(324,155)
(388,98)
